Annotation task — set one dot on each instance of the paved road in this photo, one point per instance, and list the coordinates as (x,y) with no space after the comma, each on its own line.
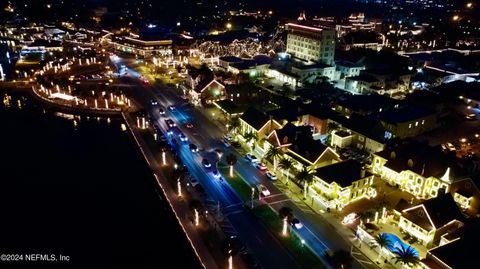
(318,233)
(263,245)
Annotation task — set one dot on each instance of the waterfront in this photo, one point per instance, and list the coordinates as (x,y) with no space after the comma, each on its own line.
(80,188)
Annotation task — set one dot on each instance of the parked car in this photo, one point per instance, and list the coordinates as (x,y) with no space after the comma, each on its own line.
(171,108)
(189,125)
(271,175)
(263,190)
(451,147)
(261,166)
(193,181)
(193,148)
(235,144)
(161,111)
(206,163)
(251,158)
(154,102)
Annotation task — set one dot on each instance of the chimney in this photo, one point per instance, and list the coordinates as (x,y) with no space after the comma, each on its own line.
(362,172)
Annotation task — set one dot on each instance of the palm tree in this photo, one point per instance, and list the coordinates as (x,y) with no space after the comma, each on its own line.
(285,212)
(306,176)
(231,160)
(382,241)
(273,153)
(286,165)
(341,259)
(406,256)
(251,138)
(233,125)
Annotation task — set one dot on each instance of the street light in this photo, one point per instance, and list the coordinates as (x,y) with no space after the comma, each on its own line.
(285,226)
(253,195)
(179,188)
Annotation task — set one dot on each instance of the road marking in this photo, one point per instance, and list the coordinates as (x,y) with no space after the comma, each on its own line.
(280,201)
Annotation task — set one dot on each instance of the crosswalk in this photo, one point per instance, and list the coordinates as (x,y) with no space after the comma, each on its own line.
(222,221)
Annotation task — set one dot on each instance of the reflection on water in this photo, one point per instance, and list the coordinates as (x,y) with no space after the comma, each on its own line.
(77,186)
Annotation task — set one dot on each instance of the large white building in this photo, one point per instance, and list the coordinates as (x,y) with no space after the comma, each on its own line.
(310,43)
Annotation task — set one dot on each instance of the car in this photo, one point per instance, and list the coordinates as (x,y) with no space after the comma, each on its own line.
(206,163)
(251,158)
(170,123)
(183,137)
(154,102)
(261,166)
(216,174)
(193,148)
(471,116)
(170,131)
(189,125)
(161,111)
(271,175)
(227,137)
(451,147)
(297,224)
(193,181)
(263,190)
(171,108)
(235,144)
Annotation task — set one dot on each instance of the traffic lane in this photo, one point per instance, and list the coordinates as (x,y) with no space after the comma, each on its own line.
(262,244)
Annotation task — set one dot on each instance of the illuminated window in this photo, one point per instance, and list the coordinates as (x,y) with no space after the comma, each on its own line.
(410,126)
(416,123)
(423,122)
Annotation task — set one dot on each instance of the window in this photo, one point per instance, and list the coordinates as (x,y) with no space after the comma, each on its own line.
(416,123)
(410,126)
(423,122)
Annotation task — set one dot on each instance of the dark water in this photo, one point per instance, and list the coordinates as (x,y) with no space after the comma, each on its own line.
(81,191)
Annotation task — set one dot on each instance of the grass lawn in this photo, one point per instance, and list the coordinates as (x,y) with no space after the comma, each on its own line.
(243,189)
(305,257)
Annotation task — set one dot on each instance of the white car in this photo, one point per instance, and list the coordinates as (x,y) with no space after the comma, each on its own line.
(263,190)
(451,147)
(251,158)
(270,175)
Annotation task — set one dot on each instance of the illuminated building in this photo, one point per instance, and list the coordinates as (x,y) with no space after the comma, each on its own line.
(342,183)
(207,91)
(256,122)
(142,47)
(415,168)
(429,220)
(311,43)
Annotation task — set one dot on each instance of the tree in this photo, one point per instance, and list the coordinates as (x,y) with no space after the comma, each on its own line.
(233,125)
(286,165)
(195,204)
(341,259)
(306,176)
(251,138)
(285,212)
(231,160)
(381,241)
(406,256)
(273,153)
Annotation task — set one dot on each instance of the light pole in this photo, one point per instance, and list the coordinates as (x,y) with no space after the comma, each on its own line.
(253,195)
(230,259)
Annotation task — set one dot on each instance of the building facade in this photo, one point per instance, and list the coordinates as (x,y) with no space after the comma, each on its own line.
(310,43)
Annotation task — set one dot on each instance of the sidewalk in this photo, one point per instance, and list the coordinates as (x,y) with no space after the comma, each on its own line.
(179,208)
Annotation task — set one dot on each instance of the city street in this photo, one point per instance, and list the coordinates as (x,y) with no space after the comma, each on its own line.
(318,234)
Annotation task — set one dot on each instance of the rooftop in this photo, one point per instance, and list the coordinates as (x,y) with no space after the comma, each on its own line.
(255,118)
(343,173)
(434,213)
